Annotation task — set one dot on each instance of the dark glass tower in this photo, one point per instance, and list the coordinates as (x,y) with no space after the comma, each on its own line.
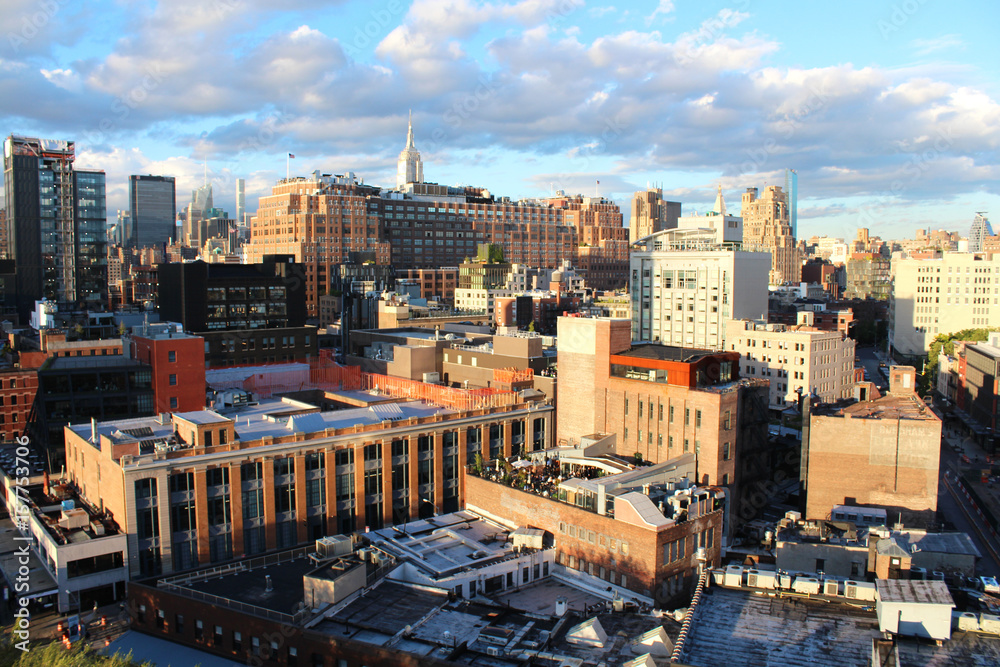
(153,202)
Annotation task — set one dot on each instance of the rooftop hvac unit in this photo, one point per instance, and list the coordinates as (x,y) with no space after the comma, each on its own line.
(734,576)
(752,578)
(493,650)
(917,573)
(806,585)
(831,588)
(989,623)
(967,621)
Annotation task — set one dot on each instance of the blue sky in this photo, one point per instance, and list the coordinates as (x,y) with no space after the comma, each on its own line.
(888,110)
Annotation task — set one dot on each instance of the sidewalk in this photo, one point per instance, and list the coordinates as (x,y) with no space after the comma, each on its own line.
(45,628)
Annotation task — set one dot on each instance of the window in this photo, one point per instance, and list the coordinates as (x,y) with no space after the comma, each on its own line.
(199,630)
(171,356)
(173,379)
(173,402)
(697,417)
(687,416)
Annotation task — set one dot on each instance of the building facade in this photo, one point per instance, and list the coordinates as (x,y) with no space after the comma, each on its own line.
(766,227)
(882,453)
(686,286)
(795,360)
(868,276)
(56,224)
(660,401)
(651,213)
(934,296)
(153,201)
(244,478)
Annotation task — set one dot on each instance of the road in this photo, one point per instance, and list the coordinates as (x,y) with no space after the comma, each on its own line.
(870,362)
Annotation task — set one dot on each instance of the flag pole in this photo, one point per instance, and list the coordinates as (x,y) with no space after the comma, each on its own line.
(288,161)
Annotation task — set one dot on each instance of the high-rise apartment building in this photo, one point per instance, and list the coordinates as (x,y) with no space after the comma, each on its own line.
(933,296)
(686,285)
(766,227)
(241,199)
(651,213)
(795,360)
(154,204)
(979,232)
(56,220)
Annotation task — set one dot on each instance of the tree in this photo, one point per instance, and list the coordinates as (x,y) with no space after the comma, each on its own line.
(531,327)
(946,343)
(55,655)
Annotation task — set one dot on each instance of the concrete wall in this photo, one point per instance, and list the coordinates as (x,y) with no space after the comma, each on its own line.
(838,558)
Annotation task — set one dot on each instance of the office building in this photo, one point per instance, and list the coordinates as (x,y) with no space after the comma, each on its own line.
(766,228)
(197,210)
(686,286)
(981,371)
(796,360)
(792,190)
(661,401)
(427,226)
(246,476)
(56,225)
(409,167)
(979,232)
(154,204)
(932,296)
(882,453)
(651,213)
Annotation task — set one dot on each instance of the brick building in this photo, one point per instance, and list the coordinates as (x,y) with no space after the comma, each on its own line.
(178,363)
(882,453)
(639,529)
(662,401)
(17,397)
(434,283)
(208,486)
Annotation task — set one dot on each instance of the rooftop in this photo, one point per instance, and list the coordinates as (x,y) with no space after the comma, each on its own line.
(914,591)
(92,362)
(890,406)
(738,628)
(666,353)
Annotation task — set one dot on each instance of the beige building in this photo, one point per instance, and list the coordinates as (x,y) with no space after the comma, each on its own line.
(935,296)
(794,358)
(766,227)
(651,214)
(882,453)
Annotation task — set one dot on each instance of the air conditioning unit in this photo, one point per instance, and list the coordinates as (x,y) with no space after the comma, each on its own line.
(752,579)
(831,588)
(851,590)
(493,650)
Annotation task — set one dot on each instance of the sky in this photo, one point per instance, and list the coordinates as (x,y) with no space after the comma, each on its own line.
(888,111)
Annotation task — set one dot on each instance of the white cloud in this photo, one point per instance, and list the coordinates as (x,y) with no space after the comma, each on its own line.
(664,8)
(924,47)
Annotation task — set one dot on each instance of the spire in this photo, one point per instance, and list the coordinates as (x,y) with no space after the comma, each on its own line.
(409,133)
(720,203)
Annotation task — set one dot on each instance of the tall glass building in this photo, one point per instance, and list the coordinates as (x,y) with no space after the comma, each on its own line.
(56,219)
(153,201)
(792,190)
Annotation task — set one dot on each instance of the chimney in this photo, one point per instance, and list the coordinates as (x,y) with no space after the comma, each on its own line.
(93,430)
(902,380)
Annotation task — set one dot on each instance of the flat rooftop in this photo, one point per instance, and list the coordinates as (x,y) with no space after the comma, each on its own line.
(271,417)
(114,361)
(666,353)
(743,629)
(910,592)
(890,406)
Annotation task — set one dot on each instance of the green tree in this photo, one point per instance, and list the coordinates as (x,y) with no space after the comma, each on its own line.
(55,655)
(946,343)
(531,327)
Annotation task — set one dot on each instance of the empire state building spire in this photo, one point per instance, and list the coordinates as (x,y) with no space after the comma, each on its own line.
(409,168)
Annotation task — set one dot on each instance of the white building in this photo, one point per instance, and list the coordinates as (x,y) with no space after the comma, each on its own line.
(935,296)
(409,167)
(686,285)
(794,358)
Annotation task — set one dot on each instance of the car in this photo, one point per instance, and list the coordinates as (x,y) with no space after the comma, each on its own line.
(882,364)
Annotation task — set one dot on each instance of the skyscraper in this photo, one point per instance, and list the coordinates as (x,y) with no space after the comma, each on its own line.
(766,229)
(241,199)
(792,190)
(201,202)
(409,168)
(154,202)
(651,213)
(980,230)
(56,224)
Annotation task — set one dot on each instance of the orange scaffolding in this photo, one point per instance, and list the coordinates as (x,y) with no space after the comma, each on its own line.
(445,397)
(513,375)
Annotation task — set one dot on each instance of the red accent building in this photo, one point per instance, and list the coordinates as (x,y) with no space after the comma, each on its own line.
(178,362)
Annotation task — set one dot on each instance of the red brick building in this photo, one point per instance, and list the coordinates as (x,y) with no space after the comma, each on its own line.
(178,361)
(17,396)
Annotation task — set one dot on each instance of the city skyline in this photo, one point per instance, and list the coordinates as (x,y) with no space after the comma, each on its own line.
(895,129)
